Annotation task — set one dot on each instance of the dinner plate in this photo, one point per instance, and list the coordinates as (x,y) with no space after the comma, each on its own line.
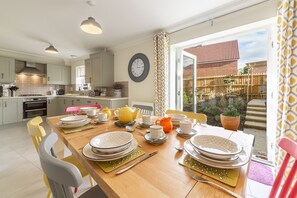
(232,159)
(180,133)
(215,147)
(89,154)
(240,161)
(69,125)
(73,118)
(111,141)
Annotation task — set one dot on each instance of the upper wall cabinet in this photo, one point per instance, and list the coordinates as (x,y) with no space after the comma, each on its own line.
(58,75)
(7,70)
(100,69)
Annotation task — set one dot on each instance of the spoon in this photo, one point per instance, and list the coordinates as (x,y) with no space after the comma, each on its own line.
(179,147)
(129,129)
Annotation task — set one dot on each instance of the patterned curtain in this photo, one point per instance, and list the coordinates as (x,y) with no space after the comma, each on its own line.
(161,57)
(287,74)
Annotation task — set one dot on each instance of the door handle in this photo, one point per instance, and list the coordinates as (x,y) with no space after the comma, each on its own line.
(2,75)
(64,101)
(48,78)
(5,105)
(49,101)
(90,79)
(178,93)
(72,102)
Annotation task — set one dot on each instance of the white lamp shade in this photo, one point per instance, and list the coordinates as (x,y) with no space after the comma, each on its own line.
(51,49)
(91,26)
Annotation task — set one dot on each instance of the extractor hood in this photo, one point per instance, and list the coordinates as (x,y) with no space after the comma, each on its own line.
(31,69)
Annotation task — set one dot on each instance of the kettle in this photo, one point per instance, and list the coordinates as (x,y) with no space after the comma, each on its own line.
(126,114)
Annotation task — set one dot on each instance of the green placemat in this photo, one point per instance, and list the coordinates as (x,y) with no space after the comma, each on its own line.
(227,176)
(114,164)
(78,129)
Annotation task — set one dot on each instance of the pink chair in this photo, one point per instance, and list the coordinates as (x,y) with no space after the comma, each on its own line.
(76,109)
(290,146)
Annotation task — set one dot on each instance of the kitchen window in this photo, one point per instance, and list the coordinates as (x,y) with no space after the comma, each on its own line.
(80,77)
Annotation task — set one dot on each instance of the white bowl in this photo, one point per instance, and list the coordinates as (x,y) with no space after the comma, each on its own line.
(215,147)
(86,109)
(111,142)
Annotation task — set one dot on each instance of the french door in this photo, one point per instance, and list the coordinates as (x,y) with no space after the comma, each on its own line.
(186,82)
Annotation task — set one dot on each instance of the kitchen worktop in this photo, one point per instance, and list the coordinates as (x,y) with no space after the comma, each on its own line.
(67,96)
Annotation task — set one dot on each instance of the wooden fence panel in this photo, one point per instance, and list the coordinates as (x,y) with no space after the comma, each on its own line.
(252,86)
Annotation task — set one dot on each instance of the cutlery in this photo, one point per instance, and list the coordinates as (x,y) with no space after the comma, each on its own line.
(179,148)
(202,180)
(135,163)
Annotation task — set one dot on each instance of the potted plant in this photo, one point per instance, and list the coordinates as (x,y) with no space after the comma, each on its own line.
(13,90)
(117,90)
(230,118)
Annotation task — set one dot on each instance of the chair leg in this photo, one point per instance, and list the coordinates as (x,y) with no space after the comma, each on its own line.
(91,181)
(49,194)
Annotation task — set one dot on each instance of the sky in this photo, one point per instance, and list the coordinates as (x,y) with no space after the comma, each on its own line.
(252,47)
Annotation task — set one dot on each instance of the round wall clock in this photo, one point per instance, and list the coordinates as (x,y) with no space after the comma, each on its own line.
(139,67)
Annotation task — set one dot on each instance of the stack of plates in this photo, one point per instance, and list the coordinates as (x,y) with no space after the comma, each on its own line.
(176,118)
(216,151)
(110,146)
(74,121)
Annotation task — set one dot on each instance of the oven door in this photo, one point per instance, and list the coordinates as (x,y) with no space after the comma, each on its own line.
(34,108)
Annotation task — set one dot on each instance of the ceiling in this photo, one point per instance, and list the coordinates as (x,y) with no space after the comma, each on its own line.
(28,26)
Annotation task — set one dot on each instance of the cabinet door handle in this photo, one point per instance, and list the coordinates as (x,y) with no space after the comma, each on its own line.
(5,105)
(2,75)
(48,78)
(90,79)
(72,102)
(89,101)
(64,101)
(49,101)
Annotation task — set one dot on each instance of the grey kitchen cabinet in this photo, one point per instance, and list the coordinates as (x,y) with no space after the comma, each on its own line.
(63,103)
(118,103)
(13,110)
(1,122)
(100,69)
(52,106)
(58,75)
(7,70)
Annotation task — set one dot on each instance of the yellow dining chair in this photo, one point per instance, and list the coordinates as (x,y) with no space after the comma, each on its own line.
(200,117)
(37,133)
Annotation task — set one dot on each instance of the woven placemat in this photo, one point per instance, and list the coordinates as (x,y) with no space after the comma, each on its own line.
(78,129)
(114,164)
(226,176)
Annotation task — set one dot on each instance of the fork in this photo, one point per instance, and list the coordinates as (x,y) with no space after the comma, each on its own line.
(202,180)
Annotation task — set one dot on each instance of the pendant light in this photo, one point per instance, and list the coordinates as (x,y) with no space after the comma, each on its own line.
(51,49)
(91,26)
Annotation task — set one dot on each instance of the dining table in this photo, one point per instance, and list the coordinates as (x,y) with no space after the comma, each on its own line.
(160,175)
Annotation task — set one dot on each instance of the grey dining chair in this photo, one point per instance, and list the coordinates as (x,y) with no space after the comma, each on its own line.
(62,175)
(145,108)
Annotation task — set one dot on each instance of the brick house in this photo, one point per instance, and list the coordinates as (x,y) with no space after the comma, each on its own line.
(215,59)
(258,67)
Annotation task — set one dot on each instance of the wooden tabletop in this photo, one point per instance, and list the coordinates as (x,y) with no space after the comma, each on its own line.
(158,176)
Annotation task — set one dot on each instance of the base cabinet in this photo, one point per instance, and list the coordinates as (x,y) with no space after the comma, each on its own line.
(52,106)
(13,110)
(1,117)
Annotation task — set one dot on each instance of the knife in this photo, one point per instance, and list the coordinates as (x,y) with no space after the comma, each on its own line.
(135,163)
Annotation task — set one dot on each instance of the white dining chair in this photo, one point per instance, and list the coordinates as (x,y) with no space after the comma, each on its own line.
(145,108)
(62,175)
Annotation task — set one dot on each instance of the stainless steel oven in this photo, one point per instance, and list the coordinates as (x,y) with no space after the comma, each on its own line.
(33,107)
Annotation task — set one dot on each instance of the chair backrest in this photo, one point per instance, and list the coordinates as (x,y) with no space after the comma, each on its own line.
(200,117)
(36,131)
(145,108)
(76,109)
(61,175)
(290,146)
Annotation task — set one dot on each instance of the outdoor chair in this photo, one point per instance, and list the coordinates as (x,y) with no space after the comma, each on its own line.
(145,108)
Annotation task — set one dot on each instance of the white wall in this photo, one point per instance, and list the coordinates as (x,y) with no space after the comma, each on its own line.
(138,91)
(144,91)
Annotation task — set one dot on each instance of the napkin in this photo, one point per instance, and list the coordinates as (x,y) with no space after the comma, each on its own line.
(109,166)
(226,176)
(78,129)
